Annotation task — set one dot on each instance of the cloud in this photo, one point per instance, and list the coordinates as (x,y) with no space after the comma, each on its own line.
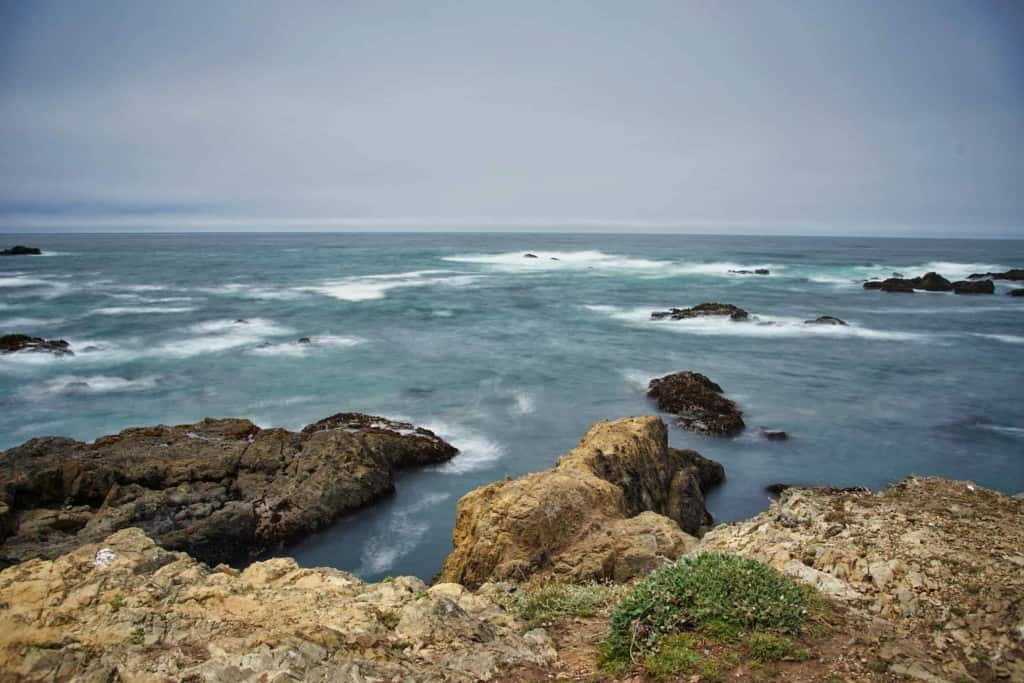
(795,117)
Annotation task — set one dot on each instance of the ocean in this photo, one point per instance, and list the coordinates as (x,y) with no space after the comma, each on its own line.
(511,358)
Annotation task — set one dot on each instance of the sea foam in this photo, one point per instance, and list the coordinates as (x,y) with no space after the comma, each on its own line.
(371,287)
(405,530)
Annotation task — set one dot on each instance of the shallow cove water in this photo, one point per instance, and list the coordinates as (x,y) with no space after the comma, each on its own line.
(512,358)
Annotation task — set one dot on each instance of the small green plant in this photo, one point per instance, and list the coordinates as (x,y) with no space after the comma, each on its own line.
(771,647)
(116,603)
(675,656)
(389,619)
(710,590)
(553,600)
(138,636)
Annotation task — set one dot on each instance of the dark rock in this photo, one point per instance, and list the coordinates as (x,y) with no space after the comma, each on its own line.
(697,402)
(825,320)
(219,489)
(11,343)
(20,250)
(932,282)
(555,259)
(774,434)
(241,321)
(1016,292)
(974,287)
(305,340)
(777,488)
(1012,274)
(701,310)
(892,285)
(529,256)
(756,271)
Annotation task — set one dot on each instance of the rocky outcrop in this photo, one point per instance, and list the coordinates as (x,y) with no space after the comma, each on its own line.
(20,250)
(892,285)
(701,310)
(936,566)
(974,287)
(929,282)
(825,320)
(128,610)
(1012,274)
(219,489)
(932,282)
(697,402)
(617,506)
(14,343)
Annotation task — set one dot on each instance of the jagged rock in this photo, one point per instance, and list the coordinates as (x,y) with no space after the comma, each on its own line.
(20,250)
(935,560)
(697,402)
(892,285)
(1016,292)
(126,609)
(220,489)
(932,282)
(974,287)
(1012,274)
(617,506)
(929,282)
(13,343)
(701,310)
(825,320)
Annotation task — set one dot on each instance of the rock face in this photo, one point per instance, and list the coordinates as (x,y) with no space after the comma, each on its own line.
(20,250)
(929,282)
(1012,274)
(13,343)
(619,505)
(219,489)
(697,402)
(937,564)
(128,610)
(701,310)
(974,287)
(825,320)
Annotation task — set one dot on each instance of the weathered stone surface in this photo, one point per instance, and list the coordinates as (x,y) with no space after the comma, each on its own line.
(938,563)
(701,310)
(590,517)
(128,610)
(22,343)
(697,402)
(220,489)
(21,250)
(974,287)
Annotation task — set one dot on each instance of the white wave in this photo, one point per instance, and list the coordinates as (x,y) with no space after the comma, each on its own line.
(476,451)
(1003,429)
(19,281)
(142,288)
(598,260)
(405,530)
(525,403)
(370,287)
(57,253)
(764,326)
(287,401)
(214,336)
(443,313)
(1006,338)
(252,292)
(133,310)
(637,379)
(86,385)
(29,322)
(297,349)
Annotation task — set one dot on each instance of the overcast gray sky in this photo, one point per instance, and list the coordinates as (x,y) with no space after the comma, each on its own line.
(838,117)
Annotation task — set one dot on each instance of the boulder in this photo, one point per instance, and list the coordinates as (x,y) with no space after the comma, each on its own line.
(892,285)
(825,320)
(1012,274)
(221,489)
(932,282)
(929,282)
(697,402)
(20,250)
(974,287)
(774,434)
(701,310)
(617,506)
(126,609)
(13,343)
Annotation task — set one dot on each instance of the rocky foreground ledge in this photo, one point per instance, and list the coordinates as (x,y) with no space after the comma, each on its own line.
(219,489)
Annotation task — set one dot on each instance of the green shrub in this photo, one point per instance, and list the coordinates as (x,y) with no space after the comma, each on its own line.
(676,656)
(771,647)
(547,601)
(713,590)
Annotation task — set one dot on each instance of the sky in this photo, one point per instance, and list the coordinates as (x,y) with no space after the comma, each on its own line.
(865,117)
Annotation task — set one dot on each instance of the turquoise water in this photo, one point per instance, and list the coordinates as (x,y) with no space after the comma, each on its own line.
(511,359)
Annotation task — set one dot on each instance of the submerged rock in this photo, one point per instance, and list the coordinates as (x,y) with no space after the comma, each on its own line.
(529,256)
(1016,292)
(14,343)
(701,310)
(697,402)
(619,505)
(221,489)
(1012,274)
(20,250)
(126,609)
(756,271)
(774,434)
(825,320)
(974,287)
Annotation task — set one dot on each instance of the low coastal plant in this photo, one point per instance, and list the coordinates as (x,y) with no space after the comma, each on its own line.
(543,602)
(720,598)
